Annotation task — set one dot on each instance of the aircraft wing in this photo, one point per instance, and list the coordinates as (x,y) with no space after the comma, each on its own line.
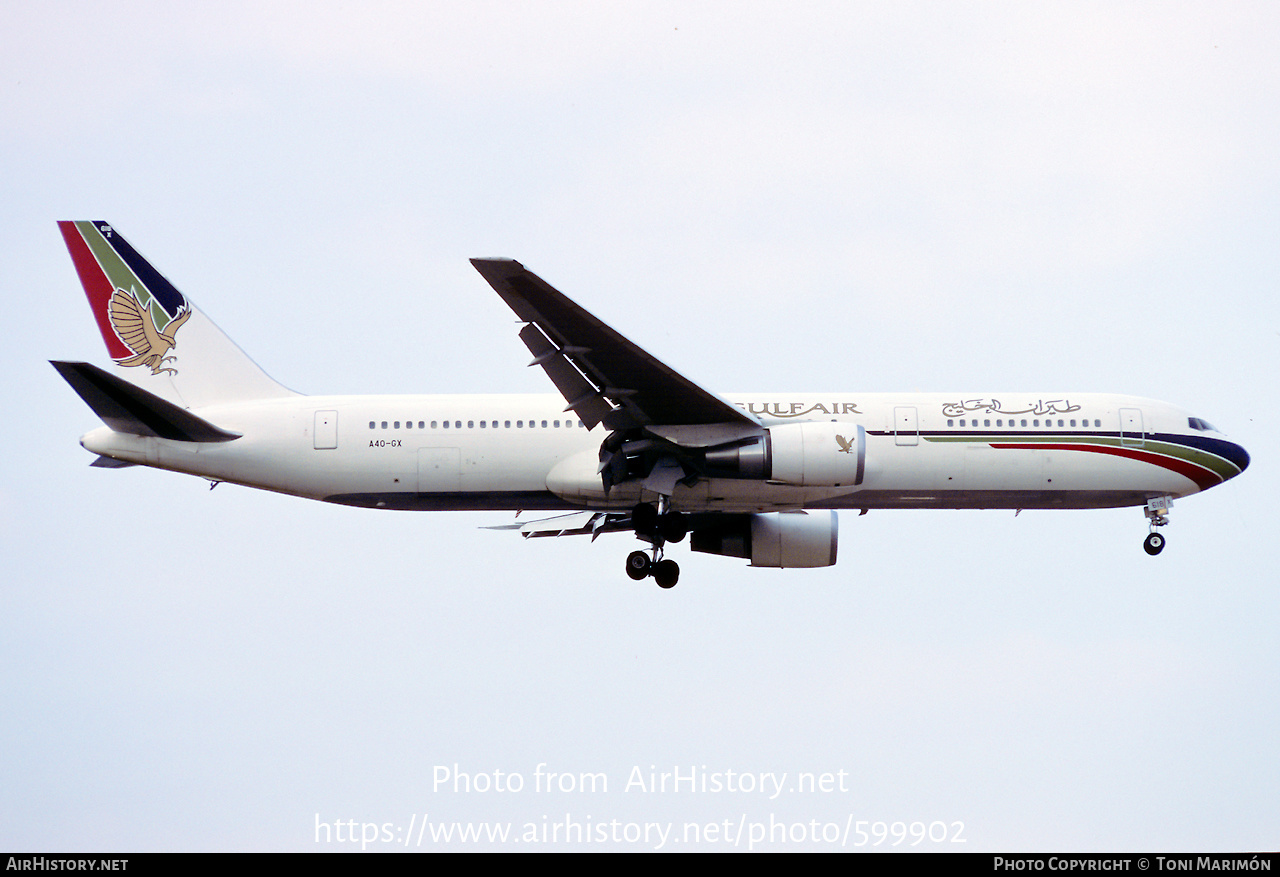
(602,375)
(572,524)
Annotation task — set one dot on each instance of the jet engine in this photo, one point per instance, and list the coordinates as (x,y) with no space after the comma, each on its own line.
(809,454)
(775,539)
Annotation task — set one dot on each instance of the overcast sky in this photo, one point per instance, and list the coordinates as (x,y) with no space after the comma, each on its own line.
(837,197)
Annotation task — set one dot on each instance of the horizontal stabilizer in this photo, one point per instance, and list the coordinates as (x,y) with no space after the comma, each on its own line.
(130,409)
(111,463)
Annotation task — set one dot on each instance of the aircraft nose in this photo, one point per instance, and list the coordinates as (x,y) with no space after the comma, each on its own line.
(1238,456)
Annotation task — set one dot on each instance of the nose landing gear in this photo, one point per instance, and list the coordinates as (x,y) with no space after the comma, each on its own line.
(1153,544)
(1157,512)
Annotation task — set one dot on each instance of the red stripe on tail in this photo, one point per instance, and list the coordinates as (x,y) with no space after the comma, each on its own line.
(96,286)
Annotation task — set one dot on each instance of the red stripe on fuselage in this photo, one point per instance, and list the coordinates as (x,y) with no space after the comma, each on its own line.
(96,286)
(1204,478)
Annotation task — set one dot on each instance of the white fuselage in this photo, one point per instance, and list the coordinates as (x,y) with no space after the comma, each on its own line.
(998,450)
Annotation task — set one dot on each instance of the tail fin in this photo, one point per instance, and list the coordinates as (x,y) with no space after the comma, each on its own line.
(158,339)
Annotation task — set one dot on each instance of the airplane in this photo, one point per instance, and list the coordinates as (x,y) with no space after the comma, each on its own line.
(627,445)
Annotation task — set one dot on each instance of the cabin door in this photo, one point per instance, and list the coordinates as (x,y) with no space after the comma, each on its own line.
(906,426)
(325,433)
(1131,434)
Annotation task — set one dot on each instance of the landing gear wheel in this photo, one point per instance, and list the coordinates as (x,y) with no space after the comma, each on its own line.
(644,517)
(1153,544)
(674,526)
(638,565)
(666,573)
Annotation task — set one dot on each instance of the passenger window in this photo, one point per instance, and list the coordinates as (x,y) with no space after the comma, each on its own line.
(471,424)
(519,424)
(507,424)
(457,424)
(384,424)
(371,424)
(986,422)
(949,423)
(421,424)
(446,424)
(433,425)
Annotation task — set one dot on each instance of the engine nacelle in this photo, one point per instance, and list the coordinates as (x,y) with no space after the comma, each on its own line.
(817,453)
(776,539)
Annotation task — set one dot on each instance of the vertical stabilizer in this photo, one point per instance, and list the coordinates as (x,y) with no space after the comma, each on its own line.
(159,340)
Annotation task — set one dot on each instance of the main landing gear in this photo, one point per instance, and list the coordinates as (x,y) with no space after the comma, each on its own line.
(659,527)
(1157,512)
(665,572)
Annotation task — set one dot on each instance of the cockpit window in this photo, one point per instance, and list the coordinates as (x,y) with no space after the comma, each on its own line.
(1202,425)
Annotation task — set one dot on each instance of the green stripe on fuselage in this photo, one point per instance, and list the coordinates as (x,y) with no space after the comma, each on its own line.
(1219,466)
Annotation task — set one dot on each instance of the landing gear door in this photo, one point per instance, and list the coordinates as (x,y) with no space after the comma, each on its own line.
(906,426)
(326,430)
(1131,433)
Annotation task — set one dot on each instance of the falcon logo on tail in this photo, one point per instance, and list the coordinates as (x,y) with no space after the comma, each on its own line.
(136,325)
(138,311)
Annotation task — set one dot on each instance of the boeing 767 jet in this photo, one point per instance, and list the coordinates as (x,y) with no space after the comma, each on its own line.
(627,443)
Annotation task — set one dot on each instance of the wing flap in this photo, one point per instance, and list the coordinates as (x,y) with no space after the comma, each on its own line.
(573,524)
(584,398)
